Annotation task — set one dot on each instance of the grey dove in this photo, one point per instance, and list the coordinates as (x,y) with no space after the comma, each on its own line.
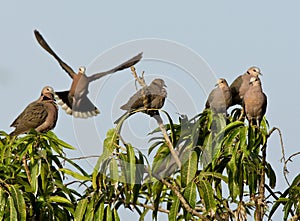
(219,98)
(149,97)
(75,101)
(241,84)
(40,115)
(255,102)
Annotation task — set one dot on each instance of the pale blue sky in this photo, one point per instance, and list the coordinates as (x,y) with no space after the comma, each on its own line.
(230,36)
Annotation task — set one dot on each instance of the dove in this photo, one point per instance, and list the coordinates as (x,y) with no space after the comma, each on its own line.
(220,97)
(75,100)
(241,84)
(148,97)
(40,115)
(255,102)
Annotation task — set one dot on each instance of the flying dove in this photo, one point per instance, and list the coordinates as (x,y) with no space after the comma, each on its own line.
(241,84)
(219,98)
(75,101)
(40,115)
(149,97)
(255,102)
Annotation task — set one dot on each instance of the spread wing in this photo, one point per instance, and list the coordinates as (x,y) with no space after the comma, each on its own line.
(126,64)
(44,45)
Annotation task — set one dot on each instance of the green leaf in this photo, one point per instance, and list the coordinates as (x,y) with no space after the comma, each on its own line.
(59,200)
(108,213)
(34,173)
(90,210)
(44,176)
(75,174)
(158,186)
(108,148)
(3,200)
(80,209)
(190,195)
(19,201)
(207,194)
(116,215)
(214,175)
(189,167)
(99,214)
(51,136)
(114,170)
(130,166)
(13,216)
(174,209)
(271,175)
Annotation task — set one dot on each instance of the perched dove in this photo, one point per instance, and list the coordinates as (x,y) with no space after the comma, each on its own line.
(40,115)
(241,84)
(219,98)
(75,101)
(255,102)
(149,97)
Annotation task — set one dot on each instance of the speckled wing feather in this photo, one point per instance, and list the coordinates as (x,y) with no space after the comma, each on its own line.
(33,116)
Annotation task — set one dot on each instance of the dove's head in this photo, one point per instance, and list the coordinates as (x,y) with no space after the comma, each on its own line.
(48,92)
(254,71)
(254,81)
(159,83)
(221,83)
(82,70)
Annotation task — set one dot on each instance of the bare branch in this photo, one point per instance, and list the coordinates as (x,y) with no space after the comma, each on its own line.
(183,201)
(26,169)
(285,170)
(140,80)
(85,157)
(160,209)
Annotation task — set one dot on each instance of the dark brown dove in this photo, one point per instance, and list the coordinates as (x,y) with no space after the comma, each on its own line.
(75,101)
(255,102)
(40,115)
(219,98)
(149,97)
(241,84)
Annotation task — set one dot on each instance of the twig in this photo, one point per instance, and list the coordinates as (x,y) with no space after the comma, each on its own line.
(182,200)
(26,169)
(160,209)
(260,199)
(140,80)
(85,157)
(290,157)
(285,170)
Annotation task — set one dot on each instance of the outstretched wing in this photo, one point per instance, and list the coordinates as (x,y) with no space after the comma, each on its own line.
(120,67)
(44,45)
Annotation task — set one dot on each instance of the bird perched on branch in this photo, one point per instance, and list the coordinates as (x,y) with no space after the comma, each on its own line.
(148,97)
(241,84)
(75,101)
(255,102)
(219,98)
(40,115)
